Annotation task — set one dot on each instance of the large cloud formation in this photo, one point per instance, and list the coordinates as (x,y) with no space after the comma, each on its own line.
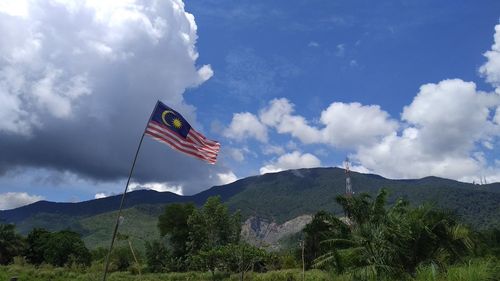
(78,80)
(447,130)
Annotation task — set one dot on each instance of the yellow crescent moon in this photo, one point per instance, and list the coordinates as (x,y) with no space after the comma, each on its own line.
(164,114)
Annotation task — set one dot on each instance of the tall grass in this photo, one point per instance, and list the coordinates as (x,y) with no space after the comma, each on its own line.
(474,270)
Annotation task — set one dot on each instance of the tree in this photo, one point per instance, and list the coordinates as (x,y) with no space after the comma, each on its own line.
(242,257)
(173,224)
(322,227)
(36,245)
(11,243)
(65,247)
(394,242)
(212,226)
(211,259)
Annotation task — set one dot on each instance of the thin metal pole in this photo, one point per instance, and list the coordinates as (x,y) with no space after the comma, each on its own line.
(123,199)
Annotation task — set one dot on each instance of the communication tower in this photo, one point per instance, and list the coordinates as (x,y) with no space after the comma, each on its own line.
(348,185)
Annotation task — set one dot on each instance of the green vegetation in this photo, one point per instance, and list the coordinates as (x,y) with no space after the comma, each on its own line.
(478,270)
(139,224)
(374,241)
(11,243)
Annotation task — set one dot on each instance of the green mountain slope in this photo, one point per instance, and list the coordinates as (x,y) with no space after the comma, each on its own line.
(279,197)
(139,224)
(288,194)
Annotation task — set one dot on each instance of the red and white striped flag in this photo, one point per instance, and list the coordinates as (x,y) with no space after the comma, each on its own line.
(169,127)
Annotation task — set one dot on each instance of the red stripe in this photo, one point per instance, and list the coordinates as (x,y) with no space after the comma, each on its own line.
(174,145)
(189,138)
(159,139)
(202,146)
(180,140)
(203,139)
(185,152)
(184,145)
(195,140)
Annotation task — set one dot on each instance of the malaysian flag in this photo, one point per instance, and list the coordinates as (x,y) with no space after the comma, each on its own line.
(169,127)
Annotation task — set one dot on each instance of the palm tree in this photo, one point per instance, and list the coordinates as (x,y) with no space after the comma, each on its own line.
(393,242)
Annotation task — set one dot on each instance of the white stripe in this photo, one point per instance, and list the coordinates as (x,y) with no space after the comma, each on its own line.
(180,140)
(209,160)
(205,147)
(164,139)
(203,139)
(170,135)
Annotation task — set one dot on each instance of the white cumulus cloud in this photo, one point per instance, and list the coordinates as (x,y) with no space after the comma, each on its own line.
(491,69)
(11,200)
(246,125)
(100,195)
(293,160)
(446,121)
(341,124)
(157,186)
(59,51)
(226,178)
(451,115)
(353,124)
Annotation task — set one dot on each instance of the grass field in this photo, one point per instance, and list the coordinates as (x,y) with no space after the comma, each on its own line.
(476,270)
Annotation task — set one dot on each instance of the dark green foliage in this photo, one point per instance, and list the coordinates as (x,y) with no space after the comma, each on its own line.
(65,247)
(393,242)
(323,226)
(158,257)
(99,254)
(121,259)
(488,242)
(307,191)
(212,226)
(193,238)
(236,258)
(242,257)
(174,223)
(40,246)
(36,245)
(208,259)
(11,243)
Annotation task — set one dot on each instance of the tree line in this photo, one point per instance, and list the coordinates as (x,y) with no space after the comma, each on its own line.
(191,239)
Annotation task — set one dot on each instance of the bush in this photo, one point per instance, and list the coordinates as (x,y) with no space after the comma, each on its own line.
(121,259)
(158,257)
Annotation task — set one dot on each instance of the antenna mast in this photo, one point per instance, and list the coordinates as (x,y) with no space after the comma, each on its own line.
(348,185)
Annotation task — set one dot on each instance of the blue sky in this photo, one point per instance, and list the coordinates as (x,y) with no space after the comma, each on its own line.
(406,89)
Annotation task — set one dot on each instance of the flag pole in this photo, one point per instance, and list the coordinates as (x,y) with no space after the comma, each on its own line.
(123,198)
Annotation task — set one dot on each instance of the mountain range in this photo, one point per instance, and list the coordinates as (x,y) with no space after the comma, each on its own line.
(275,197)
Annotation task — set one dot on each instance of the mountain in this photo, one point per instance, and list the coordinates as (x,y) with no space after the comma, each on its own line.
(277,197)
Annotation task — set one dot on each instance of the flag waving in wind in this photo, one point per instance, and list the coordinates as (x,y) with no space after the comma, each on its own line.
(169,127)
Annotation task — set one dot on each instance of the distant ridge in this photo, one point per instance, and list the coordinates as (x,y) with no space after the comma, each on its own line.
(277,196)
(111,203)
